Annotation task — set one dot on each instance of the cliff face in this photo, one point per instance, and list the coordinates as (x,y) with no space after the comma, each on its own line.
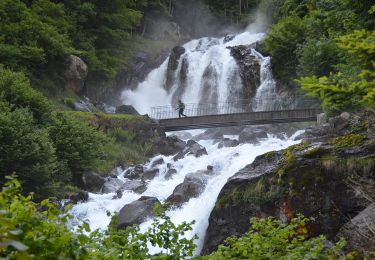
(331,180)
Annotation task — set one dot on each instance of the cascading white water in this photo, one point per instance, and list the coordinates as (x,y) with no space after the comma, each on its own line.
(225,161)
(208,64)
(206,59)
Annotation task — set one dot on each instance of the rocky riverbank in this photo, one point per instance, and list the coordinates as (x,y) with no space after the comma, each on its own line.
(329,177)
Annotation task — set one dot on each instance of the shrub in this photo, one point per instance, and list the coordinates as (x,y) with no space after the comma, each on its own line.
(39,230)
(15,89)
(282,42)
(79,147)
(25,149)
(271,239)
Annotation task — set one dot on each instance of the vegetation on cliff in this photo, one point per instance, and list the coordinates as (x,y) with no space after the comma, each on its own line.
(48,149)
(330,46)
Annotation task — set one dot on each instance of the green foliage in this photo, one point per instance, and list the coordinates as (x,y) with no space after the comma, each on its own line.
(282,43)
(78,146)
(271,239)
(25,149)
(347,140)
(15,89)
(317,57)
(39,230)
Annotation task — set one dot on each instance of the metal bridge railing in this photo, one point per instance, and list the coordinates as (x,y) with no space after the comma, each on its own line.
(236,106)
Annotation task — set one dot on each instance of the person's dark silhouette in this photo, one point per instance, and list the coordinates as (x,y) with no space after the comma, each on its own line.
(180,108)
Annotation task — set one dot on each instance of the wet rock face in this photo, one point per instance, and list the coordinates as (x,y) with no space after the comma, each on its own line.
(136,212)
(174,58)
(76,74)
(192,187)
(191,148)
(249,69)
(169,145)
(150,174)
(137,186)
(112,185)
(226,142)
(251,135)
(75,197)
(134,172)
(209,134)
(359,232)
(92,181)
(316,180)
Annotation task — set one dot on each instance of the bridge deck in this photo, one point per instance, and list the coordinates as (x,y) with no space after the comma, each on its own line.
(249,118)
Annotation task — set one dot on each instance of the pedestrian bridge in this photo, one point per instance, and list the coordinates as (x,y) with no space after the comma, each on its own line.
(234,114)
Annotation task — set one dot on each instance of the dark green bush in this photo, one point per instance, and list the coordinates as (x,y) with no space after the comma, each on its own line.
(15,89)
(25,150)
(79,147)
(282,42)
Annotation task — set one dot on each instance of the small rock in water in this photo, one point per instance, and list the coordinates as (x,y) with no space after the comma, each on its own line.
(112,185)
(251,135)
(157,162)
(134,172)
(226,142)
(193,148)
(137,186)
(169,174)
(150,174)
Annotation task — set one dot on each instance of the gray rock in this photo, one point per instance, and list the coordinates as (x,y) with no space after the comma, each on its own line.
(345,115)
(169,145)
(134,172)
(249,69)
(79,196)
(192,187)
(126,109)
(173,61)
(150,174)
(226,142)
(84,105)
(112,185)
(137,186)
(228,38)
(169,174)
(209,134)
(183,135)
(157,162)
(359,232)
(136,212)
(92,181)
(191,148)
(76,74)
(251,135)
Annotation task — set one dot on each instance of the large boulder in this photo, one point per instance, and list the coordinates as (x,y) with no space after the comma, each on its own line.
(112,185)
(251,135)
(137,186)
(330,182)
(136,212)
(76,74)
(169,145)
(92,181)
(191,148)
(249,69)
(192,187)
(126,109)
(359,232)
(134,172)
(156,162)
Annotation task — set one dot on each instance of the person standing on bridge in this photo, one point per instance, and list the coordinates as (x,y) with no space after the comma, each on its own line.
(180,108)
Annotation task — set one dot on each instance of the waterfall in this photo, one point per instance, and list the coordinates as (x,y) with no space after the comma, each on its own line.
(206,72)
